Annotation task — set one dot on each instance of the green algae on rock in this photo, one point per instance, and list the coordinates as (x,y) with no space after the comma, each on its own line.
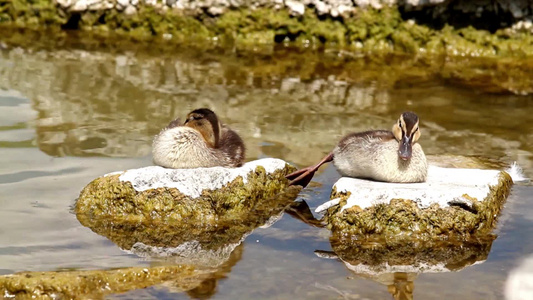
(367,30)
(452,204)
(95,284)
(203,196)
(187,216)
(194,279)
(199,244)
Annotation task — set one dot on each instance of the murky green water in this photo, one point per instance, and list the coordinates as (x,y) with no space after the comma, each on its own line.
(68,116)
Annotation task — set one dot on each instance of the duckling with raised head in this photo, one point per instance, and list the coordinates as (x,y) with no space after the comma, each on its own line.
(201,141)
(382,155)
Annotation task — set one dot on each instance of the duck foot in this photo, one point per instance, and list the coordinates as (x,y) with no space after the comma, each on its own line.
(303,176)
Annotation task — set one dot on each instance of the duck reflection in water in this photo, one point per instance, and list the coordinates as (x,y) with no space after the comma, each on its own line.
(382,155)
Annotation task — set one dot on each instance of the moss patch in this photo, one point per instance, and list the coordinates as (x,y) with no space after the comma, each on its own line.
(95,284)
(109,197)
(492,74)
(403,219)
(31,13)
(172,234)
(367,30)
(165,217)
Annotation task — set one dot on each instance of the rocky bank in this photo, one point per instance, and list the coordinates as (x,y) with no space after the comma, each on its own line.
(480,28)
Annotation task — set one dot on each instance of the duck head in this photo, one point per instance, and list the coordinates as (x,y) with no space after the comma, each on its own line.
(206,122)
(406,132)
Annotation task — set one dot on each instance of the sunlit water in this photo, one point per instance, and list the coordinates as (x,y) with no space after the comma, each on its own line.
(69,116)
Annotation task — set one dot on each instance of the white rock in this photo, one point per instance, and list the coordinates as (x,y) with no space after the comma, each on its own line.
(192,182)
(216,10)
(235,3)
(130,10)
(79,6)
(295,8)
(321,8)
(101,5)
(343,9)
(443,186)
(123,3)
(65,3)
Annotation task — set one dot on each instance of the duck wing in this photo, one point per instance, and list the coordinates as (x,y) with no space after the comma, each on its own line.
(232,146)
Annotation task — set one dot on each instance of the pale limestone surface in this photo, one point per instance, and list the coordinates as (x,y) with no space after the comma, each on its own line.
(443,186)
(192,182)
(521,9)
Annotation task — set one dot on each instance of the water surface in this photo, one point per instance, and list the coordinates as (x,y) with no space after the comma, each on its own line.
(71,115)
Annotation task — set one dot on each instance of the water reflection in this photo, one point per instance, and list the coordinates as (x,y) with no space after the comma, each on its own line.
(90,107)
(397,265)
(98,103)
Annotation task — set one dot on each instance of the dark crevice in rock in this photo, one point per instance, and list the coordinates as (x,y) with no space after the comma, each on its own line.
(101,19)
(464,206)
(457,14)
(73,22)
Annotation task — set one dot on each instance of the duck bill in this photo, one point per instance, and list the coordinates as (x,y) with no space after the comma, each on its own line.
(406,148)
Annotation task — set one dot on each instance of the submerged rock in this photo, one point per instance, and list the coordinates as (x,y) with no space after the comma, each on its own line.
(451,204)
(96,284)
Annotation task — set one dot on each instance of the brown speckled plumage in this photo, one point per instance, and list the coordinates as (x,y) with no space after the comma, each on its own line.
(201,141)
(390,156)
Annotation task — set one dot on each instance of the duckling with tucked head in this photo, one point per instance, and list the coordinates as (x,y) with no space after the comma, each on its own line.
(201,141)
(382,155)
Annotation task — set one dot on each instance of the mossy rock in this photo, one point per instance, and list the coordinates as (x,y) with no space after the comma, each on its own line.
(196,281)
(453,204)
(203,196)
(192,243)
(158,211)
(95,284)
(371,31)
